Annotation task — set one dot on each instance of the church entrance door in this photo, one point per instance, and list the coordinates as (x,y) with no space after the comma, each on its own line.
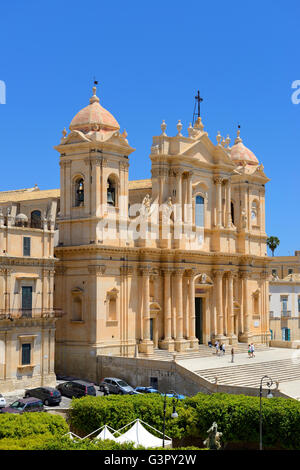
(199,318)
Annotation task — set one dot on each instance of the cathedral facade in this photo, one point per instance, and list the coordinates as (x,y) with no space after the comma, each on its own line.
(169,262)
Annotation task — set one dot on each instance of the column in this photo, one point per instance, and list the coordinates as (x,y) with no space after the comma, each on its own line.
(146,346)
(230,308)
(228,204)
(246,317)
(218,182)
(179,341)
(167,342)
(218,290)
(178,175)
(189,198)
(192,317)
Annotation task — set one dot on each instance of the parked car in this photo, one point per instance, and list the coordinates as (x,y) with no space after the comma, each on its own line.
(146,390)
(175,395)
(24,405)
(2,401)
(76,389)
(48,395)
(116,385)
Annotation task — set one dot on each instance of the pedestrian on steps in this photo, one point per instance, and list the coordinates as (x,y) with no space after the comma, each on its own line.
(249,350)
(252,350)
(217,347)
(223,348)
(232,354)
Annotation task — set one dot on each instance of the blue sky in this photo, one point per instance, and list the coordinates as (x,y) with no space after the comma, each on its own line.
(150,60)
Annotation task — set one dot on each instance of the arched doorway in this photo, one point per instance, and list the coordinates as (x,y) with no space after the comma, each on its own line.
(203,285)
(199,318)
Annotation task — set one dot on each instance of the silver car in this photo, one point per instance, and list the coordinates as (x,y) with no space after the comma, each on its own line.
(116,385)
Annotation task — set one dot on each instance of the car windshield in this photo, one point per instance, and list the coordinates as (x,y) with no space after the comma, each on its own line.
(91,389)
(122,383)
(17,405)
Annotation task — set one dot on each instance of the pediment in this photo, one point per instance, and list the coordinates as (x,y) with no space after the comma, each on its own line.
(74,137)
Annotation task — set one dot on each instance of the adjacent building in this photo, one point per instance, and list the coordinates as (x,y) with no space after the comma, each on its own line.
(27,266)
(284,297)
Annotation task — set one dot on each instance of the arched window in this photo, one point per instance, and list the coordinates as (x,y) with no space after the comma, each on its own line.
(36,219)
(79,192)
(199,211)
(111,191)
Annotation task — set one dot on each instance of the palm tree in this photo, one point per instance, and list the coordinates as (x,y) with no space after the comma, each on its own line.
(273,243)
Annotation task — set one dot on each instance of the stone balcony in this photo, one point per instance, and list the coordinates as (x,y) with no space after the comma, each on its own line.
(34,313)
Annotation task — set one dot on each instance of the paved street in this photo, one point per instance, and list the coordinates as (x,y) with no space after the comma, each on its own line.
(10,397)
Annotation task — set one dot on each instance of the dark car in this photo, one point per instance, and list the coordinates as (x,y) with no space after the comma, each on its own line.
(48,395)
(116,385)
(146,390)
(76,389)
(24,405)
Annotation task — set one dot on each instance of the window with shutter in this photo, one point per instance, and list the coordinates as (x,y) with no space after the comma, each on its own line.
(26,246)
(26,354)
(199,211)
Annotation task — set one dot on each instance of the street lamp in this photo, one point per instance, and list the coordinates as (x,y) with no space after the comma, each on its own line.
(174,414)
(269,395)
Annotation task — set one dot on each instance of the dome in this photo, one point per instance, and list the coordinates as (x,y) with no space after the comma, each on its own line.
(94,118)
(240,153)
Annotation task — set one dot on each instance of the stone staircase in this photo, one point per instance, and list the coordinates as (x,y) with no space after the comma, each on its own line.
(249,375)
(203,351)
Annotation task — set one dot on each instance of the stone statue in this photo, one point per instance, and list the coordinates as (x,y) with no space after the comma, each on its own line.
(167,209)
(214,438)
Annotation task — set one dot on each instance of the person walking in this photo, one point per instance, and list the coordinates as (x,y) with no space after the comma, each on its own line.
(249,351)
(217,347)
(232,354)
(252,350)
(223,348)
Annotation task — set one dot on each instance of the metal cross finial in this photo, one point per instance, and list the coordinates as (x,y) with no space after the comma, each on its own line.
(198,100)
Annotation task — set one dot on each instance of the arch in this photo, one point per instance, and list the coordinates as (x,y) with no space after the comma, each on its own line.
(36,219)
(112,190)
(78,190)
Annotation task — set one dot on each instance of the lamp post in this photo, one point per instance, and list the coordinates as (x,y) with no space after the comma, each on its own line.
(174,414)
(269,395)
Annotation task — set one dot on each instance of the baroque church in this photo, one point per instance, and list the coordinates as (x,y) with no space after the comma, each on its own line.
(127,267)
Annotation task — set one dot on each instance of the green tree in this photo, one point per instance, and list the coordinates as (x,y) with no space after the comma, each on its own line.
(273,243)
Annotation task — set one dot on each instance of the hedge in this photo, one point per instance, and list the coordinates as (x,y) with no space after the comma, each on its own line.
(31,424)
(237,416)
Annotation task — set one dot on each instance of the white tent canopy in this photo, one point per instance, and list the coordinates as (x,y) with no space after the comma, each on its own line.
(106,434)
(139,435)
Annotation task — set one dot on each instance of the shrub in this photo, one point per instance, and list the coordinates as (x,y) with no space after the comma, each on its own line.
(237,416)
(29,424)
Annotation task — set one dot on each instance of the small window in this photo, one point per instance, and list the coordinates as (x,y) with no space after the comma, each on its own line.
(232,212)
(290,271)
(26,246)
(26,354)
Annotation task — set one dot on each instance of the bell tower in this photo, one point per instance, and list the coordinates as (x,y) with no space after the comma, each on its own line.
(93,175)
